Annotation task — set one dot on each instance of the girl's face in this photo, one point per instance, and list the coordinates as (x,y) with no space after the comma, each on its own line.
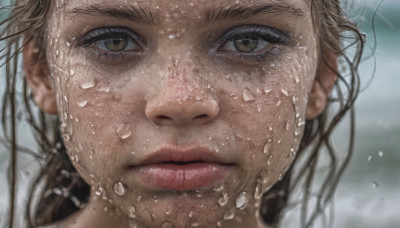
(181,112)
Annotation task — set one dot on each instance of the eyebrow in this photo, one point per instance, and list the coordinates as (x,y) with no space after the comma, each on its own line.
(128,12)
(211,16)
(219,14)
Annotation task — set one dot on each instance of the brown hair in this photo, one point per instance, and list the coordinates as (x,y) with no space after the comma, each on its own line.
(62,191)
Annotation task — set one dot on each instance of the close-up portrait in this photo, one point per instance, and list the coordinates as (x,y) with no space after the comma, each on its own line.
(198,113)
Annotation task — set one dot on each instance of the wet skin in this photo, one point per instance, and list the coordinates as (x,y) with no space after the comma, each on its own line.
(189,79)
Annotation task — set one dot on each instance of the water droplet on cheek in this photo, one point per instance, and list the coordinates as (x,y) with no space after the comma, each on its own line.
(124,131)
(119,189)
(248,96)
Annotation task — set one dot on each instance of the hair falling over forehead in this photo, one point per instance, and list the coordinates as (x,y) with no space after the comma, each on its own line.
(65,191)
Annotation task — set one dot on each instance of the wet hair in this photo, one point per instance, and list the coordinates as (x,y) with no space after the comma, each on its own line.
(58,189)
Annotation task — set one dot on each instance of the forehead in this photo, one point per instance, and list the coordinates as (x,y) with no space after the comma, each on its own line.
(159,9)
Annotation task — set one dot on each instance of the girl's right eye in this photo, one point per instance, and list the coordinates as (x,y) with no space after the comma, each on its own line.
(112,41)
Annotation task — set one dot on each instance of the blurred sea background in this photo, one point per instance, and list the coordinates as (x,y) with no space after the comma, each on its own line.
(368,195)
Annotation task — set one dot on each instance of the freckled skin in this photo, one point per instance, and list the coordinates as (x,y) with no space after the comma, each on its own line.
(203,107)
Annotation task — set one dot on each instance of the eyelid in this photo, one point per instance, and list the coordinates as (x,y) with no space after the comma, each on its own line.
(272,35)
(98,33)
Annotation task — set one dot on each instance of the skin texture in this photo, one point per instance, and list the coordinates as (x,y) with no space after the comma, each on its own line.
(182,88)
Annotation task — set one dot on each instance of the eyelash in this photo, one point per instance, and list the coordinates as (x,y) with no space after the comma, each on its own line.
(97,35)
(273,37)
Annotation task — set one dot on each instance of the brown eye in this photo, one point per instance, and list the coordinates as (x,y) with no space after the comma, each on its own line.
(246,44)
(116,44)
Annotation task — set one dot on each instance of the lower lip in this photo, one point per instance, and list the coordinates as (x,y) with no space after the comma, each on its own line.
(182,177)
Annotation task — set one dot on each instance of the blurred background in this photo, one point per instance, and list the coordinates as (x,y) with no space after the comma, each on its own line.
(369,192)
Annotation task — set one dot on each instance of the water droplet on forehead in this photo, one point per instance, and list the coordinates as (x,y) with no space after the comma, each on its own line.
(119,189)
(248,96)
(241,201)
(229,215)
(124,131)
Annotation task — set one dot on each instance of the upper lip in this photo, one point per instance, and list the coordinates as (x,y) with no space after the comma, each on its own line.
(179,155)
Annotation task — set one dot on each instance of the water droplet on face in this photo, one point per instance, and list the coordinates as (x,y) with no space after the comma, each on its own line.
(82,103)
(267,146)
(87,85)
(124,131)
(65,137)
(375,184)
(199,193)
(241,201)
(380,153)
(248,96)
(369,158)
(229,215)
(218,188)
(259,108)
(297,132)
(270,160)
(223,200)
(167,225)
(285,92)
(99,191)
(258,192)
(72,72)
(171,36)
(119,189)
(132,212)
(190,214)
(195,224)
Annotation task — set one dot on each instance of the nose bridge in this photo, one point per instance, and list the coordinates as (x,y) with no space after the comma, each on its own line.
(182,98)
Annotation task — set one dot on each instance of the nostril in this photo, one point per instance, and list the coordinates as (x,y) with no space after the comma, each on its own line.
(202,116)
(161,117)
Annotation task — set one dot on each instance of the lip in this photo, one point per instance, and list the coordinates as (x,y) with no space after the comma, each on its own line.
(182,169)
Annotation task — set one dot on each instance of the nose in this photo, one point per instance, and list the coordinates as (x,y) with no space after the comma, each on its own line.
(180,103)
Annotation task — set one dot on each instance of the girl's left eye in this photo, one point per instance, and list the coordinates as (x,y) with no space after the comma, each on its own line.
(246,44)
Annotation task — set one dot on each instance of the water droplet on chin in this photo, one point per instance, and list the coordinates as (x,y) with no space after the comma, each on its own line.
(229,215)
(248,96)
(132,212)
(124,131)
(218,188)
(223,200)
(119,189)
(241,201)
